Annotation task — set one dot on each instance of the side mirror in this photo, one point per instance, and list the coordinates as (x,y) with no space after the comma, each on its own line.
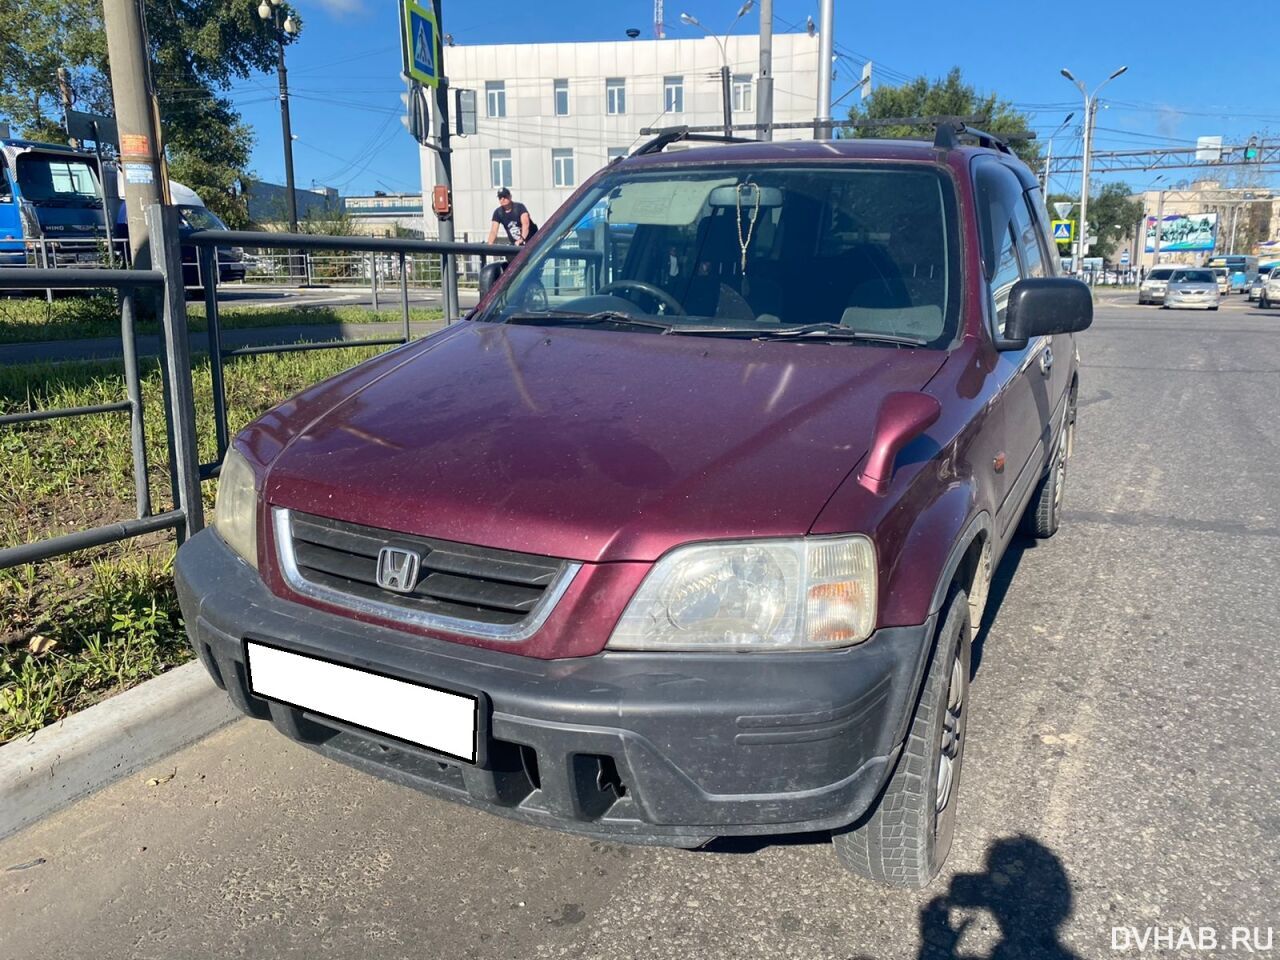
(1040,306)
(490,273)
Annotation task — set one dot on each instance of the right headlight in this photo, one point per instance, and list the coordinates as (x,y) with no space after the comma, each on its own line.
(798,594)
(235,511)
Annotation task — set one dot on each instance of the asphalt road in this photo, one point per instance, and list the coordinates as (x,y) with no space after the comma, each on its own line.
(1121,774)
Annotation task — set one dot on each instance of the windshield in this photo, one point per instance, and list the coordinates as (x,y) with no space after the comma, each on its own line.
(1193,276)
(200,218)
(752,249)
(52,178)
(1159,274)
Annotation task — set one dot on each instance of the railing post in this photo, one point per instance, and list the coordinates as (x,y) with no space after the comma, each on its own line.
(373,279)
(133,387)
(209,268)
(162,224)
(404,296)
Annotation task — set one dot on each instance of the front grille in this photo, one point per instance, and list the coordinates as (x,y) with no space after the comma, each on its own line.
(459,586)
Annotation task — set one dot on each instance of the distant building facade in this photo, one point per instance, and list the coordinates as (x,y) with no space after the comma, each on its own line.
(1247,218)
(550,114)
(268,203)
(386,214)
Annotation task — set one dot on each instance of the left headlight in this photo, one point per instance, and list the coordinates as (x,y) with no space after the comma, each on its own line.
(802,594)
(235,511)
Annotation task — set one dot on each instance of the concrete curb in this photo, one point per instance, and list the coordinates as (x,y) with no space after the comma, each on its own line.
(83,753)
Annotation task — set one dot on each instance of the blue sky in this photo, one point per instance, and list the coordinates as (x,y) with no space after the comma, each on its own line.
(344,71)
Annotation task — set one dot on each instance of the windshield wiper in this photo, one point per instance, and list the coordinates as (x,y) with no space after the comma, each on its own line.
(834,331)
(569,318)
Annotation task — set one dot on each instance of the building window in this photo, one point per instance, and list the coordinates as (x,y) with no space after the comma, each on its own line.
(562,168)
(615,95)
(742,100)
(617,153)
(495,92)
(500,167)
(560,93)
(673,94)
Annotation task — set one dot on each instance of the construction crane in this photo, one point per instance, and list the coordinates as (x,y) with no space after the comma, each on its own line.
(659,29)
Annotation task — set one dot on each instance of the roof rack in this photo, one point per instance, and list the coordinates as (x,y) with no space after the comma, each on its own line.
(669,135)
(948,131)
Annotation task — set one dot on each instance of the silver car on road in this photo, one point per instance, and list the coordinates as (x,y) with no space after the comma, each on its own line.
(1192,289)
(1151,290)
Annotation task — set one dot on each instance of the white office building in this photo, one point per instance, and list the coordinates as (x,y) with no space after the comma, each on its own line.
(550,114)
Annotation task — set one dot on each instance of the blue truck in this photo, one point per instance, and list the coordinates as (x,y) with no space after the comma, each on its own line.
(51,211)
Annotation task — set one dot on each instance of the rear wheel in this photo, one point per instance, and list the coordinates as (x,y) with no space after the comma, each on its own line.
(906,837)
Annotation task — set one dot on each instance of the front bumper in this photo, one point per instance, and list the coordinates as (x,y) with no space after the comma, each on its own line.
(649,748)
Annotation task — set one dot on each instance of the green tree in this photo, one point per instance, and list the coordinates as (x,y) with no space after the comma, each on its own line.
(198,48)
(946,96)
(1113,219)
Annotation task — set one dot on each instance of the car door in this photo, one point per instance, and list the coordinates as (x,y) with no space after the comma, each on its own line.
(1055,358)
(1024,394)
(12,251)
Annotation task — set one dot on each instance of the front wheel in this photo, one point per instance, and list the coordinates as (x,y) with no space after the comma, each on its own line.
(906,837)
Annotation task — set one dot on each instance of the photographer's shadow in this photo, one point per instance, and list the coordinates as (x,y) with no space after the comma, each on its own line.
(1025,889)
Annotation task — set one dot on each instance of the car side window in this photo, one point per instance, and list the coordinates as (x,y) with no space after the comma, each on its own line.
(1029,249)
(1007,274)
(6,194)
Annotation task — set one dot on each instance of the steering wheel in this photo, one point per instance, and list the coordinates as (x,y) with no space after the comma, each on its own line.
(664,298)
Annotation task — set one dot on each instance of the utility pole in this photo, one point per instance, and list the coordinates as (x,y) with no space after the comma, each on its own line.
(1090,111)
(764,88)
(67,99)
(444,176)
(826,46)
(135,120)
(269,10)
(726,96)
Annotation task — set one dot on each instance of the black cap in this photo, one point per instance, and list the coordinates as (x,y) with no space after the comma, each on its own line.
(504,194)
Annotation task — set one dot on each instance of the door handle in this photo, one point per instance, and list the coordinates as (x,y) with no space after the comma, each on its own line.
(1046,361)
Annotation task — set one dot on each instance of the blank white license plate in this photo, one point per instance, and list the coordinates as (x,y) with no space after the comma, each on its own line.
(436,719)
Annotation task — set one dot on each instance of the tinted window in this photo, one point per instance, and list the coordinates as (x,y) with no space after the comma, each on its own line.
(1159,274)
(1028,242)
(1007,274)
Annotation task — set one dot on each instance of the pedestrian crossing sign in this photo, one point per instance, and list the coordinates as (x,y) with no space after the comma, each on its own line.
(1064,231)
(420,43)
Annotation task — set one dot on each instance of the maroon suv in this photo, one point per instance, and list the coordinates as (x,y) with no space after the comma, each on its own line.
(685,531)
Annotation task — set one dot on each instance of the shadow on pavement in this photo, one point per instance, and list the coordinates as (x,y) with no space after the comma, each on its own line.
(1000,582)
(1023,886)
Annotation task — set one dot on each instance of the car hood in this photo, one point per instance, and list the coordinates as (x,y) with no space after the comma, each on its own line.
(594,445)
(1191,287)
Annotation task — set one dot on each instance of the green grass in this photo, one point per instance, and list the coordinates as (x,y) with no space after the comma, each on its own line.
(78,628)
(76,318)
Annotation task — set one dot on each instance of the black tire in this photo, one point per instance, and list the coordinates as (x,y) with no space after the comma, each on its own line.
(1264,303)
(1044,512)
(905,838)
(1213,308)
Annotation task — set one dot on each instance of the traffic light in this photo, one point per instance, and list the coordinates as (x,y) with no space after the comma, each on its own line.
(1251,149)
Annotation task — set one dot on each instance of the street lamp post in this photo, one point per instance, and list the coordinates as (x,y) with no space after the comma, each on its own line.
(725,79)
(269,10)
(1090,109)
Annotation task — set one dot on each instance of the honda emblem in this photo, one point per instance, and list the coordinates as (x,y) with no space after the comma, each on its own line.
(398,569)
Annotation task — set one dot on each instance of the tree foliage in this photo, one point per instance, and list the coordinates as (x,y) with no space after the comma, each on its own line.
(198,48)
(1113,219)
(945,96)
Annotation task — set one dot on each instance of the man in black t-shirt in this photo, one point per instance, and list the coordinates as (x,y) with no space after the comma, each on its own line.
(513,219)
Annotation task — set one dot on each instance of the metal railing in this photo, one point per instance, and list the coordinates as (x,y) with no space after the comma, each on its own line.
(185,470)
(187,516)
(400,253)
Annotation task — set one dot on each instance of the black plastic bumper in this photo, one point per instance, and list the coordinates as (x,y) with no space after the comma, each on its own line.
(647,748)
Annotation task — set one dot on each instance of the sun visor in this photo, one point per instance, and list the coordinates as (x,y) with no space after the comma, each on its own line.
(667,204)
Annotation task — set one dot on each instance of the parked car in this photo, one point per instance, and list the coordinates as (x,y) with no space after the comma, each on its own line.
(1270,293)
(693,546)
(1193,289)
(1151,290)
